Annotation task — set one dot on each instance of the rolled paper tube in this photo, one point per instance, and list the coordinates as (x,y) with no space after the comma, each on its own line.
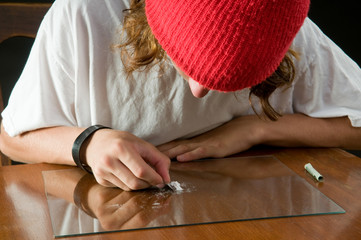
(313,172)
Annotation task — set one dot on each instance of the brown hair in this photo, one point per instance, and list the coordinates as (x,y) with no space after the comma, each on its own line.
(140,50)
(282,77)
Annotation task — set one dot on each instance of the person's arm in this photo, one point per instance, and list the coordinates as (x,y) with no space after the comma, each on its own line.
(240,134)
(300,130)
(117,158)
(50,145)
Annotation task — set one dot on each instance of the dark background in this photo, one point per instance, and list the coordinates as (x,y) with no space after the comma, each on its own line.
(340,20)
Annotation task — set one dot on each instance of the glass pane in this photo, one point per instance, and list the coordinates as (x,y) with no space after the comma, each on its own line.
(206,191)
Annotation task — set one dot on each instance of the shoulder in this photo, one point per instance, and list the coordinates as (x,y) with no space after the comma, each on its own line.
(308,41)
(73,24)
(317,51)
(325,74)
(79,5)
(75,10)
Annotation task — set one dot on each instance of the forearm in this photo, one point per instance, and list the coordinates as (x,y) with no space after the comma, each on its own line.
(51,145)
(117,158)
(300,130)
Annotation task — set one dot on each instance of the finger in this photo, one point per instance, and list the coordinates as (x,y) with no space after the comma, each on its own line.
(159,161)
(179,150)
(135,161)
(123,176)
(166,146)
(112,182)
(198,153)
(130,182)
(115,173)
(105,183)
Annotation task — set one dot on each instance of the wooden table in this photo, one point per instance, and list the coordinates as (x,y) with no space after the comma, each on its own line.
(24,213)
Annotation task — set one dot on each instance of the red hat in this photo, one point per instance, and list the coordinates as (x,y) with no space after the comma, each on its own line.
(226,45)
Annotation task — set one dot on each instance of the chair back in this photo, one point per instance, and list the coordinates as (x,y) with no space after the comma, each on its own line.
(19,20)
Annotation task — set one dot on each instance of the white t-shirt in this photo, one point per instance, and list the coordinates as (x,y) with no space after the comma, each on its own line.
(74,77)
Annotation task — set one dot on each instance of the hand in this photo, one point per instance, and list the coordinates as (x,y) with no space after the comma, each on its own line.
(235,136)
(120,210)
(120,159)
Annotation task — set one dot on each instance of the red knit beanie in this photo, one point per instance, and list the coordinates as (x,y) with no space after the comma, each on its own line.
(226,45)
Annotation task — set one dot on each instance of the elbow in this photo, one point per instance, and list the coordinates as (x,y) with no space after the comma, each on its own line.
(8,146)
(4,141)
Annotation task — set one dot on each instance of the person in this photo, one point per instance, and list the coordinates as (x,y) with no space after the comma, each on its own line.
(106,93)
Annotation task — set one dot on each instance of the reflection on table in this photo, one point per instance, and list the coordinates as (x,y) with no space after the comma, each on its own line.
(211,191)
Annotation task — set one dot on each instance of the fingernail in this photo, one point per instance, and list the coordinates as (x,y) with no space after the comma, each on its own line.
(162,185)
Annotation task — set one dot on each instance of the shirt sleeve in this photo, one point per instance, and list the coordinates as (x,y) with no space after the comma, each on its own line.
(70,70)
(44,94)
(328,82)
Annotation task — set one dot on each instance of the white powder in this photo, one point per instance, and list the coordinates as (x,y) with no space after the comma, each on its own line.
(175,186)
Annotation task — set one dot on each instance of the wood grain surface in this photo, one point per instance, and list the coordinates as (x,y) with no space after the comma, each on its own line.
(24,212)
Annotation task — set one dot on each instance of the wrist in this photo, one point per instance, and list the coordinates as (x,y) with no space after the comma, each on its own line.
(80,144)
